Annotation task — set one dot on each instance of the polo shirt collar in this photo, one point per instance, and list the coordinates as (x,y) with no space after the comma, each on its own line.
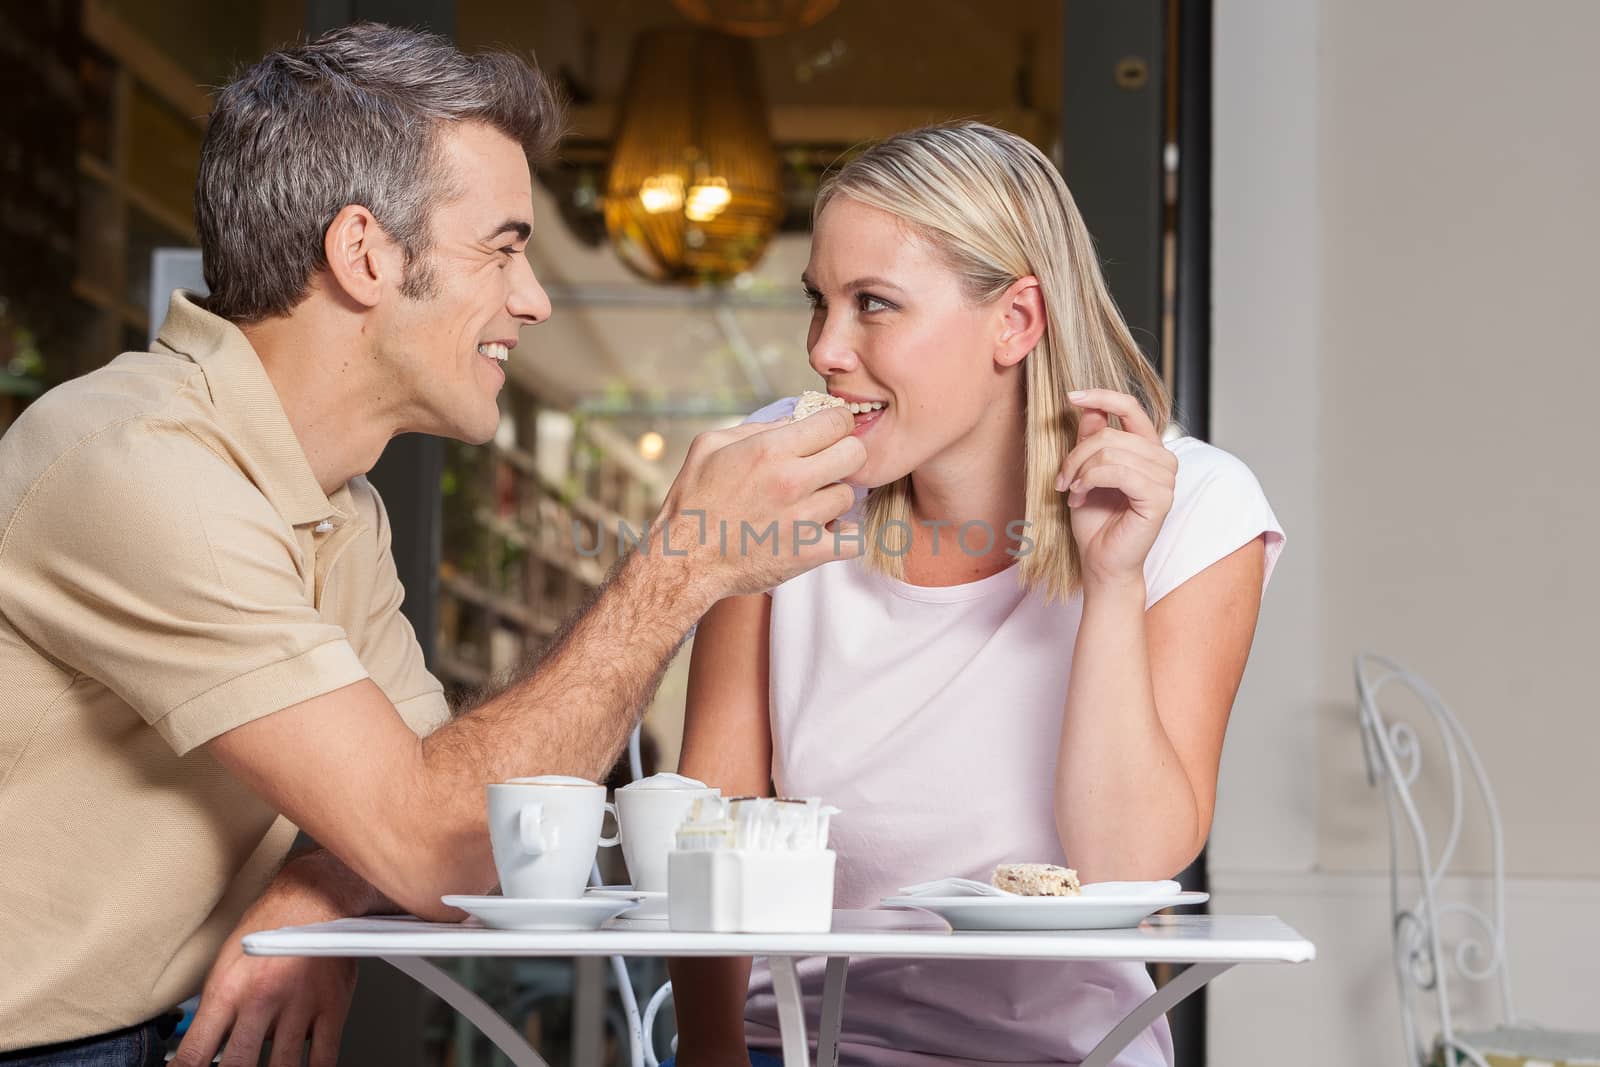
(248,407)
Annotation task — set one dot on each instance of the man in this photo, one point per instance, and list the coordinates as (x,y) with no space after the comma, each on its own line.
(199,614)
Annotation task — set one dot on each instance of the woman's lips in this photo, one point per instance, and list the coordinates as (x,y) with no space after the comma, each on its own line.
(866,421)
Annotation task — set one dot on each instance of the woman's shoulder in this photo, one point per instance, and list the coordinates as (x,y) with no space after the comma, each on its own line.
(1217,506)
(1205,468)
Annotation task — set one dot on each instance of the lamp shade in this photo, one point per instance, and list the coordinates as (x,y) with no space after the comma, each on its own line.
(756,18)
(694,192)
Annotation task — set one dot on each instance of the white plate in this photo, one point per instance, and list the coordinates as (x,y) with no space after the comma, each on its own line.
(1046,913)
(652,903)
(521,913)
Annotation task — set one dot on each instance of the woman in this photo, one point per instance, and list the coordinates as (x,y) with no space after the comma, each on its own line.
(986,690)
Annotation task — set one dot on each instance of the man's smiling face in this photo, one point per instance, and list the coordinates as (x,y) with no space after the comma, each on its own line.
(445,345)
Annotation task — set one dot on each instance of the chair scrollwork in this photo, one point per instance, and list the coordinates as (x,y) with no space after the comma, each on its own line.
(1422,922)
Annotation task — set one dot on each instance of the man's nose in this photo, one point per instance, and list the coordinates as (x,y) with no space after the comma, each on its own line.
(528,300)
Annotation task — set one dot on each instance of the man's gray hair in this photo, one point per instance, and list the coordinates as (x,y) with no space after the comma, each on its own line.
(353,117)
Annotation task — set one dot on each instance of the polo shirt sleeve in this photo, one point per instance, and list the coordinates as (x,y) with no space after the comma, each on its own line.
(387,644)
(144,561)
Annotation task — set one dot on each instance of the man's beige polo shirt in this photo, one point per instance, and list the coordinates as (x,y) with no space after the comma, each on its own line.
(169,569)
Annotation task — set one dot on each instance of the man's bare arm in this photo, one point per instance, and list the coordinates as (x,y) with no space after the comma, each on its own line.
(408,815)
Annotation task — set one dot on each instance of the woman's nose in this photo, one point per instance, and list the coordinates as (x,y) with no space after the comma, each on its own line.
(831,352)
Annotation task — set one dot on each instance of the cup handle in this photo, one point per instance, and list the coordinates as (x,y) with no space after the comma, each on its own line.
(530,828)
(609,842)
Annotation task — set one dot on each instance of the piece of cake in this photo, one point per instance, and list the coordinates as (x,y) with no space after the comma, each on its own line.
(1036,880)
(811,402)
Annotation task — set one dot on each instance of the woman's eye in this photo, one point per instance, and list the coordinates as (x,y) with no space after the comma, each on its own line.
(813,298)
(871,303)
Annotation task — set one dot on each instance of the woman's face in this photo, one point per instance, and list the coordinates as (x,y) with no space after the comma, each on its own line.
(892,327)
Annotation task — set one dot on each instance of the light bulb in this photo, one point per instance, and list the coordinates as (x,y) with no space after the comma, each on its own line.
(707,199)
(661,192)
(651,445)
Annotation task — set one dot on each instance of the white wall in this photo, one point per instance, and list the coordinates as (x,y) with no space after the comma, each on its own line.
(1406,226)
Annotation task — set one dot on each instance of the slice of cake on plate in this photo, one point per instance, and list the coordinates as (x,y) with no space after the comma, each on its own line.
(1036,880)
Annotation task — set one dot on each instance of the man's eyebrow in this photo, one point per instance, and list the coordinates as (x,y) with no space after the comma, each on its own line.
(522,229)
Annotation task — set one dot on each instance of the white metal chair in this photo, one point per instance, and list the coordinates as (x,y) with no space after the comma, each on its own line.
(640,1053)
(650,1012)
(641,1030)
(1424,954)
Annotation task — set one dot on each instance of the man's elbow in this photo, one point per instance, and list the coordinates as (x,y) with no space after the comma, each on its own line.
(418,864)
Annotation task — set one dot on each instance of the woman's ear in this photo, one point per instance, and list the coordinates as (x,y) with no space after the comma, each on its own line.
(359,254)
(1022,321)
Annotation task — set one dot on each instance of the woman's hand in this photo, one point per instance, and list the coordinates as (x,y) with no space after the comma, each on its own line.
(1119,485)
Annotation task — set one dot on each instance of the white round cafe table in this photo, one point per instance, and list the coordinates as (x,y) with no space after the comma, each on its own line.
(1210,944)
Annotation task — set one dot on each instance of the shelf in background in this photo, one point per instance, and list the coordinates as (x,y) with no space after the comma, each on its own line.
(471,592)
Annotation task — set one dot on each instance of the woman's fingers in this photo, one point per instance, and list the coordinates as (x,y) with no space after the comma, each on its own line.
(1148,489)
(1121,405)
(1091,423)
(1121,457)
(1123,442)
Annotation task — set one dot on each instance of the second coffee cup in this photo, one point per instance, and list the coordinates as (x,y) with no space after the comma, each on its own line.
(649,812)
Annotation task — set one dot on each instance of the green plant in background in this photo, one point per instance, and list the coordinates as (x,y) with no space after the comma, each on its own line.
(586,457)
(21,361)
(509,557)
(465,486)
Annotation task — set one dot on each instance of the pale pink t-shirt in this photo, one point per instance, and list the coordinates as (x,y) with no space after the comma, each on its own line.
(931,717)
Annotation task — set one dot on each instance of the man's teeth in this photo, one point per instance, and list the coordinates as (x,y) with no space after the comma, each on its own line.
(494,351)
(862,409)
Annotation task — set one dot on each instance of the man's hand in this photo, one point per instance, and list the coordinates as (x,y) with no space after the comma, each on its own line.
(409,815)
(753,505)
(289,999)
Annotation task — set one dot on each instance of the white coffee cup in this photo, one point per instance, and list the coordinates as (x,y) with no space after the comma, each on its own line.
(649,812)
(545,833)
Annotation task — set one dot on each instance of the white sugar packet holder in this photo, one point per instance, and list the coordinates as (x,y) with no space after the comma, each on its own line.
(752,865)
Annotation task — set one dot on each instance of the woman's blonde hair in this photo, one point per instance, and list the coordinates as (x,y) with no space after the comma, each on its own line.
(993,207)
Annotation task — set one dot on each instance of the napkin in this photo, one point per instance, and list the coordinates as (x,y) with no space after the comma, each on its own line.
(952,887)
(1132,889)
(967,887)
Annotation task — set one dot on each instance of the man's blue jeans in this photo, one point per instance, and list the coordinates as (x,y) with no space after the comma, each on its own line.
(144,1045)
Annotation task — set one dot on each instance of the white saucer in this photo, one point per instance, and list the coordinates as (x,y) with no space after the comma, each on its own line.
(521,913)
(652,903)
(1045,913)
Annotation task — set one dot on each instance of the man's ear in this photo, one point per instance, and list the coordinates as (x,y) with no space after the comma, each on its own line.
(1022,321)
(360,255)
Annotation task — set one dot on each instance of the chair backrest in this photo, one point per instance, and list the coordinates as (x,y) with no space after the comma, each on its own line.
(641,1046)
(1424,951)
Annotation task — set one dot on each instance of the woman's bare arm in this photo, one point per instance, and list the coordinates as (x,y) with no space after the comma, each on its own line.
(727,742)
(1147,706)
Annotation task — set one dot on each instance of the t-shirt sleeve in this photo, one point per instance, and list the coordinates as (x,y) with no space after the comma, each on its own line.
(1218,507)
(144,561)
(387,643)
